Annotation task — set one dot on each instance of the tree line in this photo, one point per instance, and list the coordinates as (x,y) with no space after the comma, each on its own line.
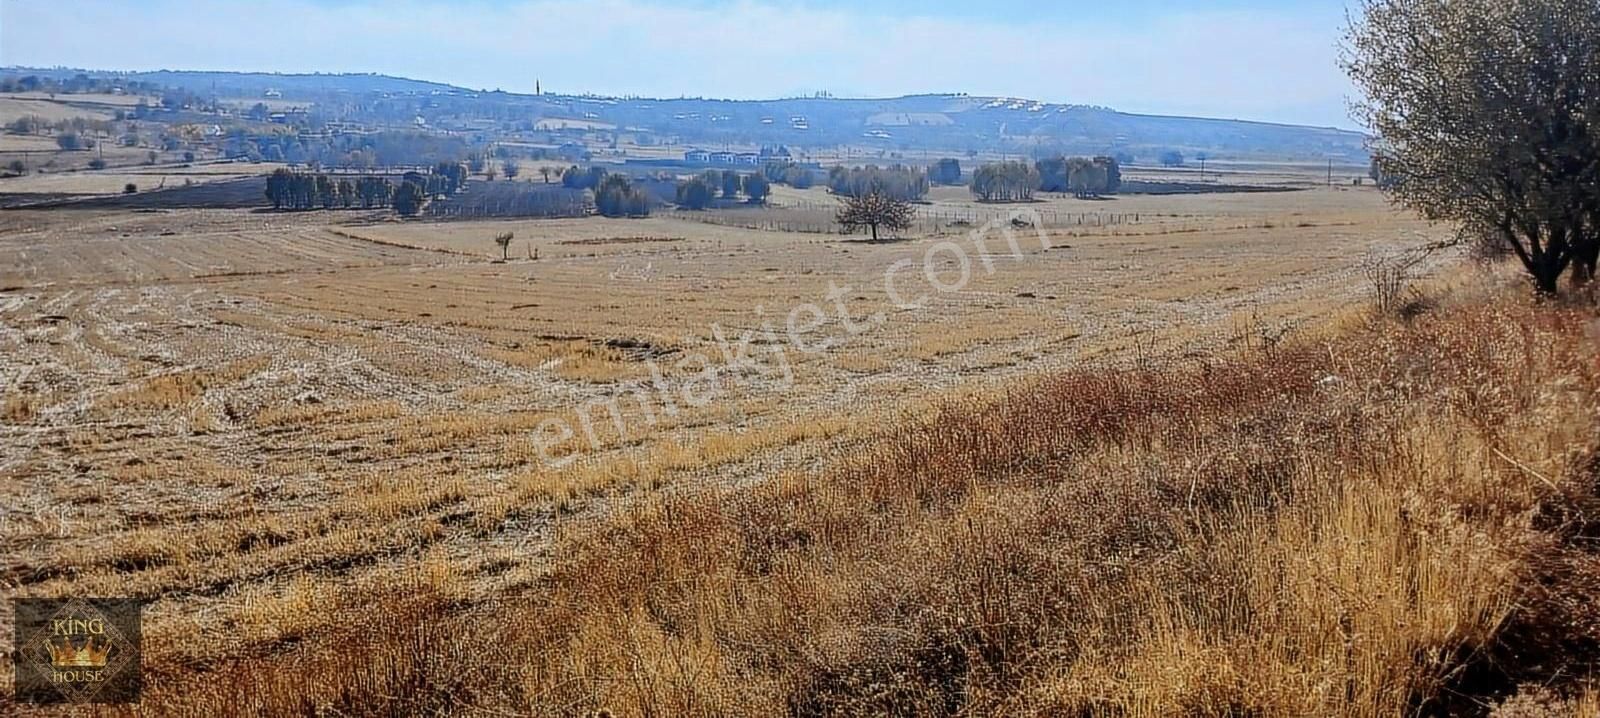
(896,181)
(1082,176)
(287,189)
(1017,181)
(700,191)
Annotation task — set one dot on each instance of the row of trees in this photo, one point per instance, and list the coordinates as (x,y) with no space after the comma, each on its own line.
(789,173)
(699,192)
(378,149)
(34,124)
(288,189)
(896,181)
(1016,181)
(1082,176)
(1012,181)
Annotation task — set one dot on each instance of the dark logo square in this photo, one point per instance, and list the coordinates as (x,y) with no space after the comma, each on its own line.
(78,650)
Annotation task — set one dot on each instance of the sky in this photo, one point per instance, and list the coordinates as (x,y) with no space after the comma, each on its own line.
(1246,59)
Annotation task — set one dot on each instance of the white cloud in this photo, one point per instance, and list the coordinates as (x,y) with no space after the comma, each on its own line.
(1260,65)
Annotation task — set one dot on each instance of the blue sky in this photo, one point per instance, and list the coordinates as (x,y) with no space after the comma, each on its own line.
(1248,59)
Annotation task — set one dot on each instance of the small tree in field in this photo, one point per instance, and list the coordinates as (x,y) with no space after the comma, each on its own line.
(1486,115)
(504,240)
(874,210)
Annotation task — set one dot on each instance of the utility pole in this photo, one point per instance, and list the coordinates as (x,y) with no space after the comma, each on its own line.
(1330,172)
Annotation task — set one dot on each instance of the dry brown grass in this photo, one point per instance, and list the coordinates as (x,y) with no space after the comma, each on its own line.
(387,453)
(1389,521)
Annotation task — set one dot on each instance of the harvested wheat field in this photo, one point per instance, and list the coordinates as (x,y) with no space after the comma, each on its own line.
(667,467)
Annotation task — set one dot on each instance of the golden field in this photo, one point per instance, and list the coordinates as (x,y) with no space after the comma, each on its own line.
(1165,467)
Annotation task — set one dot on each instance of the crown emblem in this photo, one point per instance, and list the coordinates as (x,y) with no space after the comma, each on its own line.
(65,655)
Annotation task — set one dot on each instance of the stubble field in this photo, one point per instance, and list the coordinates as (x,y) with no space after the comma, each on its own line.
(248,416)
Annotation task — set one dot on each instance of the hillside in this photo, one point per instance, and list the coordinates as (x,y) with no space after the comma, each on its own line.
(950,123)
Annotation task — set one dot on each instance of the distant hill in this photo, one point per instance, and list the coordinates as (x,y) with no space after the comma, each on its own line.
(248,84)
(943,123)
(955,122)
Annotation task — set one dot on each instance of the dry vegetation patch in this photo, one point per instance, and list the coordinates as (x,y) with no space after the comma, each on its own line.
(1386,522)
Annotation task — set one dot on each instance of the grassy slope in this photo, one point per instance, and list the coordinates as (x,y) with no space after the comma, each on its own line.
(1390,520)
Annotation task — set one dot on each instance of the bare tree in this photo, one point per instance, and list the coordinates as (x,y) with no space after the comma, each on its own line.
(873,210)
(1484,111)
(1391,274)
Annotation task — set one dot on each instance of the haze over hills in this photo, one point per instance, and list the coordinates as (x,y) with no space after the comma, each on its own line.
(908,126)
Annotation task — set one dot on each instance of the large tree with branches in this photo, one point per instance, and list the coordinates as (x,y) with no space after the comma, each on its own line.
(1485,112)
(873,210)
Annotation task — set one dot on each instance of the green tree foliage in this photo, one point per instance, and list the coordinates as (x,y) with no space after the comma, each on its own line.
(73,141)
(1088,177)
(1012,181)
(1485,112)
(694,194)
(25,125)
(409,199)
(616,197)
(730,185)
(1113,173)
(452,177)
(575,177)
(1171,158)
(278,187)
(874,210)
(287,189)
(327,191)
(1053,174)
(798,177)
(756,188)
(787,172)
(511,168)
(775,171)
(945,171)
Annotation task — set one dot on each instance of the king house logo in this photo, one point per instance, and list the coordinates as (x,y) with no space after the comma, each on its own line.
(80,650)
